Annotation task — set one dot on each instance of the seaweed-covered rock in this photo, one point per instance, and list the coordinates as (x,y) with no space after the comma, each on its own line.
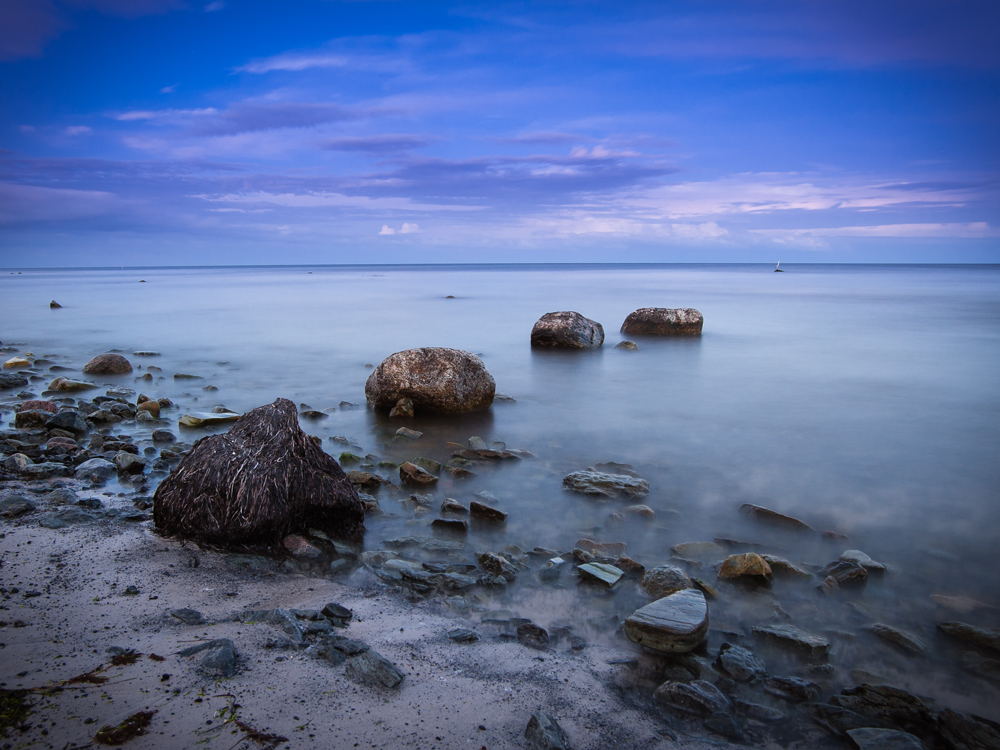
(663,321)
(436,380)
(567,330)
(108,364)
(256,484)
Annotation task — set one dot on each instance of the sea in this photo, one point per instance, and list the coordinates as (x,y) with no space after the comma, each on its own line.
(861,399)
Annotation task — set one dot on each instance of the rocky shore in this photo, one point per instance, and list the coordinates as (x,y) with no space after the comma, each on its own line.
(452,634)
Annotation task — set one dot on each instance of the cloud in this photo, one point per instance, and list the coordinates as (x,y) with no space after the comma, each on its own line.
(30,203)
(77,130)
(250,116)
(295,62)
(410,228)
(950,230)
(169,89)
(214,6)
(329,200)
(163,114)
(386,229)
(705,231)
(542,138)
(385,143)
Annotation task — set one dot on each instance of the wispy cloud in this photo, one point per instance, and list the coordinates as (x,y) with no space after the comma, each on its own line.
(30,203)
(950,230)
(292,61)
(214,6)
(542,138)
(379,144)
(78,130)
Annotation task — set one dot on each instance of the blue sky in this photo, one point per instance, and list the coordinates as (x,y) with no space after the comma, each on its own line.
(173,132)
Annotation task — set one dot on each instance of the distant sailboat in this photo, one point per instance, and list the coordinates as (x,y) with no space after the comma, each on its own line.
(778,270)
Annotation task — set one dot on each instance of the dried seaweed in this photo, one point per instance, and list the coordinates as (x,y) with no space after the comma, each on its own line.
(129,657)
(131,728)
(93,677)
(14,709)
(157,657)
(249,488)
(259,737)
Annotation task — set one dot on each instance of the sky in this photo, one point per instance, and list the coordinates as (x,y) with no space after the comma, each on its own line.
(217,132)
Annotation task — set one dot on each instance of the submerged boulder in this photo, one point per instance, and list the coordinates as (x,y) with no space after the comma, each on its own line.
(567,330)
(256,484)
(108,364)
(434,379)
(663,321)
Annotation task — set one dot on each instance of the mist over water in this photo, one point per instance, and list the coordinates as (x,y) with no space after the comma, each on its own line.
(861,399)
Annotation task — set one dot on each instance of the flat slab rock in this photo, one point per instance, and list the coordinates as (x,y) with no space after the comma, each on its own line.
(870,738)
(985,637)
(601,484)
(811,645)
(602,573)
(773,518)
(674,624)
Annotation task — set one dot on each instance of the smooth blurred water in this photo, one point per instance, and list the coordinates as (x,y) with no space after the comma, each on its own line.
(862,399)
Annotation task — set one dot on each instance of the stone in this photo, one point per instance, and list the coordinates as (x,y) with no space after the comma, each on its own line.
(15,362)
(403,408)
(14,506)
(600,484)
(163,436)
(740,663)
(406,432)
(886,703)
(463,635)
(906,641)
(334,611)
(663,321)
(773,518)
(600,573)
(450,525)
(38,405)
(96,470)
(220,659)
(985,637)
(664,580)
(129,463)
(300,548)
(782,567)
(13,380)
(567,330)
(695,697)
(108,364)
(858,557)
(188,616)
(870,738)
(70,386)
(150,407)
(981,665)
(365,481)
(544,733)
(61,519)
(412,475)
(722,722)
(533,636)
(695,550)
(748,567)
(486,514)
(45,470)
(627,345)
(845,573)
(453,507)
(496,565)
(371,668)
(207,419)
(793,689)
(31,419)
(254,485)
(435,379)
(429,465)
(674,624)
(758,712)
(813,646)
(965,732)
(839,720)
(640,511)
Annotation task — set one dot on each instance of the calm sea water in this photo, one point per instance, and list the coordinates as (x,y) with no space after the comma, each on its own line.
(862,399)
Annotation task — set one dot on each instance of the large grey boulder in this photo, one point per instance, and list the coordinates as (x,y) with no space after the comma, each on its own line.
(108,364)
(436,380)
(601,484)
(663,321)
(567,330)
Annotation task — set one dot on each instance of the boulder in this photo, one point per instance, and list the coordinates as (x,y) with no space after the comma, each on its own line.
(749,567)
(108,364)
(906,641)
(15,362)
(674,624)
(985,637)
(371,668)
(70,386)
(254,485)
(663,321)
(664,580)
(811,645)
(12,380)
(773,518)
(49,406)
(436,380)
(605,485)
(96,470)
(544,733)
(567,330)
(886,703)
(740,663)
(696,697)
(414,476)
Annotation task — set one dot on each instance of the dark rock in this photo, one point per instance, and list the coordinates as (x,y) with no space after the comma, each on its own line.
(838,720)
(985,637)
(486,514)
(12,380)
(758,712)
(163,436)
(220,659)
(748,567)
(256,484)
(664,580)
(129,463)
(365,481)
(723,723)
(436,380)
(663,321)
(66,517)
(108,364)
(773,518)
(414,476)
(61,496)
(450,525)
(567,330)
(845,574)
(782,567)
(31,419)
(496,565)
(674,624)
(188,616)
(981,665)
(334,611)
(813,646)
(37,405)
(906,641)
(740,663)
(627,345)
(371,668)
(544,733)
(696,697)
(606,485)
(463,635)
(888,704)
(96,470)
(533,636)
(965,732)
(403,408)
(14,506)
(792,688)
(870,738)
(406,432)
(68,385)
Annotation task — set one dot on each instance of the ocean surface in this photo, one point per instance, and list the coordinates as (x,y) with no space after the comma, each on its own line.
(862,399)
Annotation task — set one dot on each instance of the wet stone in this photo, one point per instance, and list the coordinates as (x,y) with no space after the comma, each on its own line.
(725,724)
(412,475)
(696,697)
(600,484)
(740,663)
(985,637)
(371,668)
(870,738)
(793,689)
(600,573)
(188,616)
(544,733)
(813,646)
(749,567)
(773,518)
(485,514)
(674,624)
(758,712)
(782,567)
(664,580)
(906,641)
(533,636)
(463,635)
(406,432)
(886,703)
(14,506)
(838,720)
(450,525)
(965,732)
